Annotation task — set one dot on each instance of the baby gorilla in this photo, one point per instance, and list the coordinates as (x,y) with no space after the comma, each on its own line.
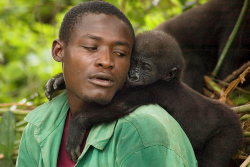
(154,77)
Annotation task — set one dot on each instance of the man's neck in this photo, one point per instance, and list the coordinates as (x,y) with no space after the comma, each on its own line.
(76,104)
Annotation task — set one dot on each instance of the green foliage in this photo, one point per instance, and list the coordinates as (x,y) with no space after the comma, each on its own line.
(7,137)
(6,162)
(25,44)
(28,29)
(240,98)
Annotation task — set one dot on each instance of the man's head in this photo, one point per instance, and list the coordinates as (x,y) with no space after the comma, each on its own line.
(95,51)
(74,15)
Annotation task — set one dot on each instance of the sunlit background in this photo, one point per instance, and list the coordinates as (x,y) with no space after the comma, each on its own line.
(27,29)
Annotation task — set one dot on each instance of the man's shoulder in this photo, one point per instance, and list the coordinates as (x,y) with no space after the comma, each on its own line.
(151,112)
(152,116)
(51,107)
(153,124)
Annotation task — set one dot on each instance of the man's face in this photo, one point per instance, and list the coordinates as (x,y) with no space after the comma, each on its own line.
(97,58)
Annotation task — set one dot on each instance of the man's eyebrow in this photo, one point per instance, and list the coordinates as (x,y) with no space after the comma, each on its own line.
(122,43)
(91,37)
(99,39)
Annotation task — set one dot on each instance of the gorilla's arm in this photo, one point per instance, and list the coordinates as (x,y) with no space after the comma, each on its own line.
(123,103)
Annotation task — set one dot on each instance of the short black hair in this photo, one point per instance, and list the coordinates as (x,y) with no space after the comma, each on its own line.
(73,16)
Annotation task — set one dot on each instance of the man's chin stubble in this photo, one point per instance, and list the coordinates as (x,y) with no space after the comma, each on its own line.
(98,101)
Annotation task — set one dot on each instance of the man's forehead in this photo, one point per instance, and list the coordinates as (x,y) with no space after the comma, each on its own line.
(95,24)
(95,20)
(87,15)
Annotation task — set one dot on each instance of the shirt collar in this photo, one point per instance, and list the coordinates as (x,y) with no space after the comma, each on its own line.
(48,116)
(100,135)
(55,111)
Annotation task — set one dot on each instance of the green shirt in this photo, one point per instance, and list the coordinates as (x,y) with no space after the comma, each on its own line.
(148,137)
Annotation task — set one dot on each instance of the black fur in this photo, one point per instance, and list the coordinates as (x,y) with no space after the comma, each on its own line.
(202,33)
(213,128)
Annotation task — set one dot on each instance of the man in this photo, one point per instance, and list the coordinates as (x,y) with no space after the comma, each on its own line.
(94,46)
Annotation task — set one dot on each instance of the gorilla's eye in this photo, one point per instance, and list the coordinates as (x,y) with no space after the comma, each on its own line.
(146,67)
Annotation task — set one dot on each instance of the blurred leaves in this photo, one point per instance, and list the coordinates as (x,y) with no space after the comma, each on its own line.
(7,138)
(28,29)
(7,134)
(26,60)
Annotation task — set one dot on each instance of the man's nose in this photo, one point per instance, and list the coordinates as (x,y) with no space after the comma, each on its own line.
(105,59)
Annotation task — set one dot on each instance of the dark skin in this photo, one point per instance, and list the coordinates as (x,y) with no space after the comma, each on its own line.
(95,64)
(213,128)
(202,33)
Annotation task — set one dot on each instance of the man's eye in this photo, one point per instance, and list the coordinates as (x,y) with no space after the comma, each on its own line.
(90,48)
(120,54)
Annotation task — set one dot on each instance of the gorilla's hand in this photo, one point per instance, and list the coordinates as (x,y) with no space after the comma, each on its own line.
(54,84)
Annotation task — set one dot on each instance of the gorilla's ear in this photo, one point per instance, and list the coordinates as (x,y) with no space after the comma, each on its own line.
(170,75)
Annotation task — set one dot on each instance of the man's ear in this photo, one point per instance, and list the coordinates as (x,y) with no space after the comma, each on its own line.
(57,49)
(171,74)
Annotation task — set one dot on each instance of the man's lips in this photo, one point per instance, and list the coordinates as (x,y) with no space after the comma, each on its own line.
(102,79)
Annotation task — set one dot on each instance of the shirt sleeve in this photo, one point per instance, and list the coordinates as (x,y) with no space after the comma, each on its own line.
(157,156)
(24,155)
